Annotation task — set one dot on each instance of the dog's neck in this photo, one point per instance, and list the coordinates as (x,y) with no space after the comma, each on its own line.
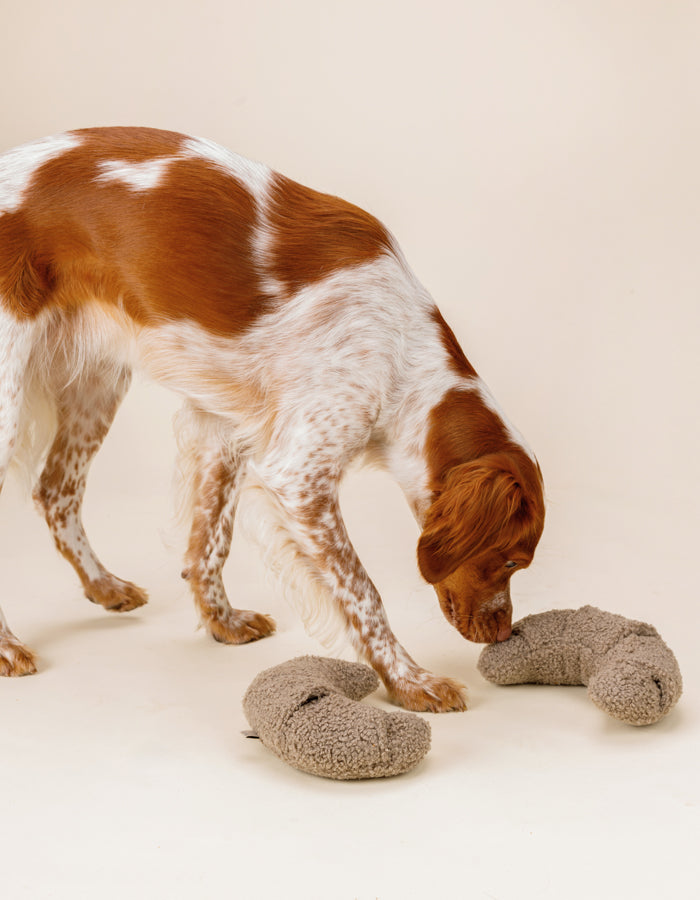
(463,424)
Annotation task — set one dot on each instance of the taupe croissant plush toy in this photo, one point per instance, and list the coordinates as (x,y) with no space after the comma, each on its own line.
(630,672)
(306,711)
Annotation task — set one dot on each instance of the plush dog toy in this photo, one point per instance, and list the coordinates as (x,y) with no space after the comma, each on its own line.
(306,711)
(631,673)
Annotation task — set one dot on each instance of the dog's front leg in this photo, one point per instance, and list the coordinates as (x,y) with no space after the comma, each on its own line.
(310,505)
(217,488)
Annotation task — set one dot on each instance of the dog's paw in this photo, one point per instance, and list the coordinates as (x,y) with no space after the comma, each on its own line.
(239,626)
(15,658)
(115,595)
(424,692)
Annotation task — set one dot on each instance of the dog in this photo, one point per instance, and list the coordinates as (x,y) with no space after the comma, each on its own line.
(300,340)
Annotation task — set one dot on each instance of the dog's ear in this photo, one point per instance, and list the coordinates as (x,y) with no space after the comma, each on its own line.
(479,508)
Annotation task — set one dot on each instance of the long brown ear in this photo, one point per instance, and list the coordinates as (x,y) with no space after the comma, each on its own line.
(473,512)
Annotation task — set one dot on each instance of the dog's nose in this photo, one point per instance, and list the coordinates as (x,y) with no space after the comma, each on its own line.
(504,631)
(504,615)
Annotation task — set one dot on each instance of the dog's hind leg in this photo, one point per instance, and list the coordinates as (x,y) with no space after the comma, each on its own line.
(15,351)
(85,408)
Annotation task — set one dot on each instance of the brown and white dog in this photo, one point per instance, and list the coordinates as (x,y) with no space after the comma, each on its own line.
(300,340)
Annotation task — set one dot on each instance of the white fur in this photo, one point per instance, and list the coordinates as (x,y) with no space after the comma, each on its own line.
(18,166)
(143,176)
(253,175)
(15,350)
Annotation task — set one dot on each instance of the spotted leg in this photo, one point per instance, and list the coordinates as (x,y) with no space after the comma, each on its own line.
(217,490)
(86,409)
(315,520)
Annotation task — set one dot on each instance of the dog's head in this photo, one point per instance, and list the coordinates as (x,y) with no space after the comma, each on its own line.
(483,525)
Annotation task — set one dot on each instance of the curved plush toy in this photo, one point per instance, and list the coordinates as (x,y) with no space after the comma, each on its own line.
(306,711)
(630,672)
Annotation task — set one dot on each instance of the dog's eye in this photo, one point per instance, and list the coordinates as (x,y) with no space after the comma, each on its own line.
(511,564)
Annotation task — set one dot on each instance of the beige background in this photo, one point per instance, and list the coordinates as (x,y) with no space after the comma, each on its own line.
(538,161)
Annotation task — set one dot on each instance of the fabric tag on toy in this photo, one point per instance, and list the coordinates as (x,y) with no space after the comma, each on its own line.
(250,734)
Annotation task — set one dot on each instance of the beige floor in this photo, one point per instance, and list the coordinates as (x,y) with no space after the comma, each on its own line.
(124,771)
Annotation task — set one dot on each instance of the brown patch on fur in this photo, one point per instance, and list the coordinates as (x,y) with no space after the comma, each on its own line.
(483,507)
(181,250)
(458,361)
(461,428)
(316,234)
(487,509)
(131,144)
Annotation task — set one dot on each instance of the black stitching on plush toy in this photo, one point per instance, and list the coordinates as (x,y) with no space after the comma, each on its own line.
(312,699)
(660,687)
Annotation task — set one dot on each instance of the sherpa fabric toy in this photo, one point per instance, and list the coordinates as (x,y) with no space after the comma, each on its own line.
(630,672)
(306,711)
